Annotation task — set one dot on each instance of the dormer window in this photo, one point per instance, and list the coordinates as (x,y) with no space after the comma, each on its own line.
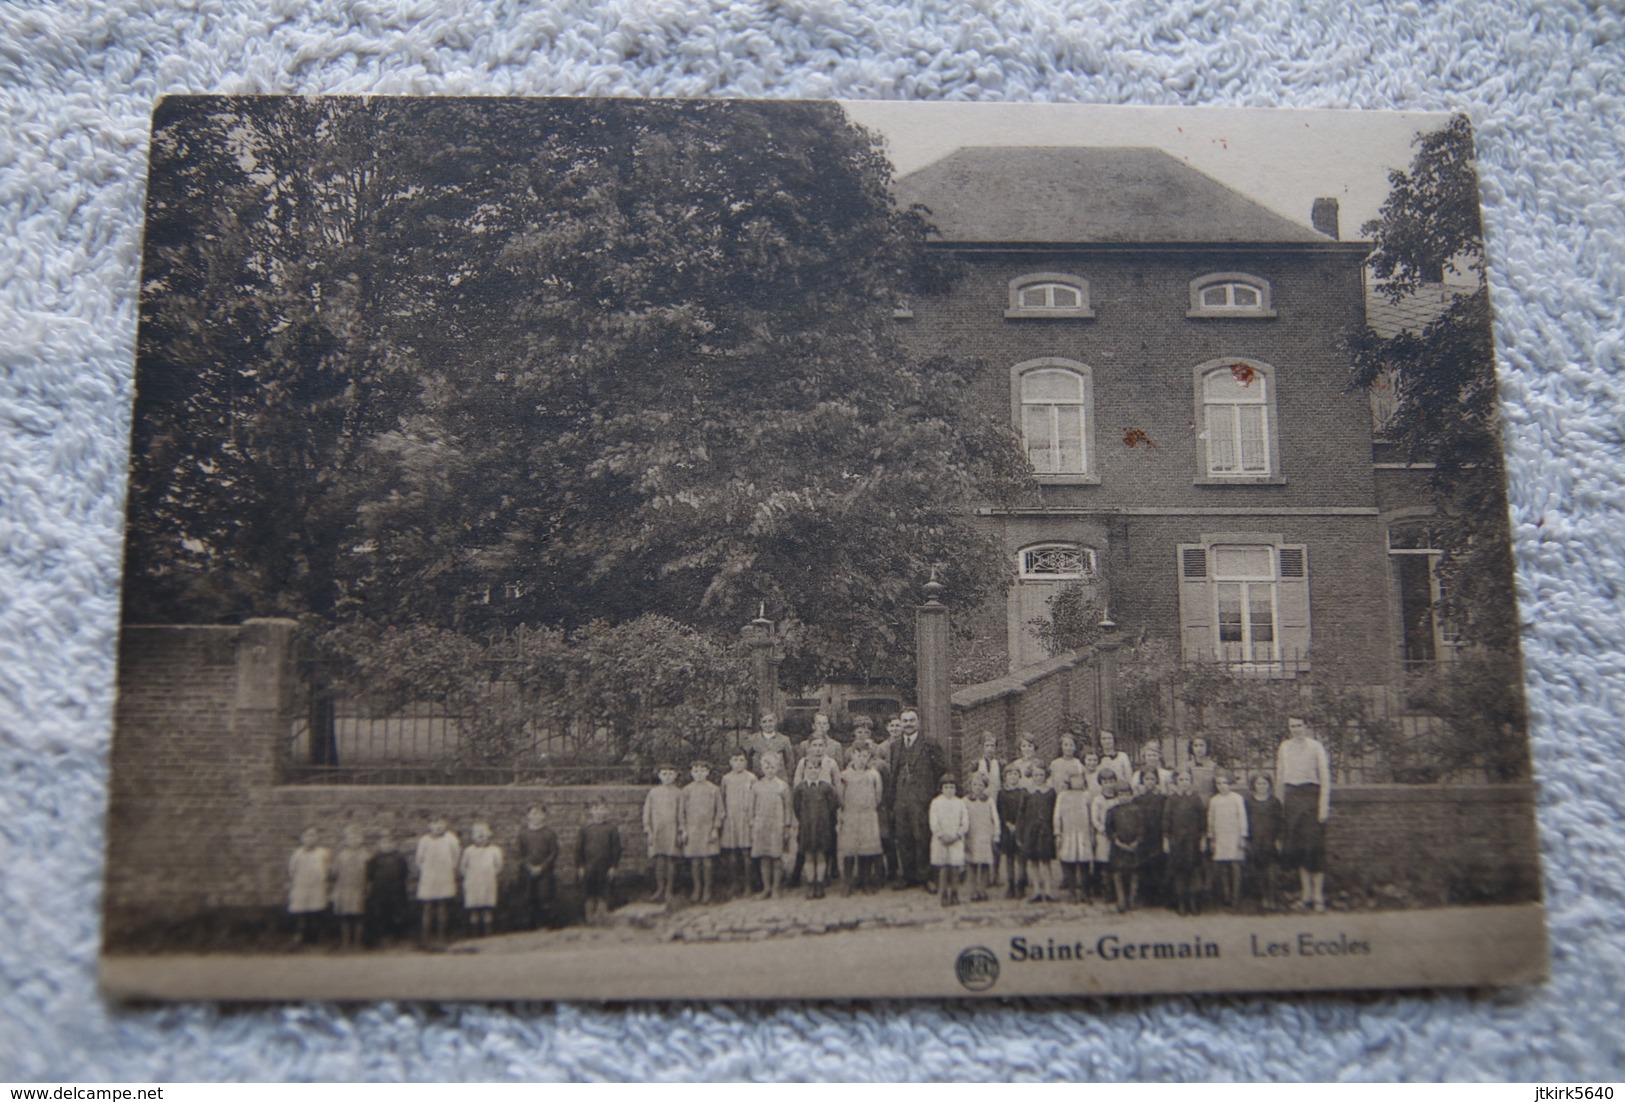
(1049,295)
(1230,295)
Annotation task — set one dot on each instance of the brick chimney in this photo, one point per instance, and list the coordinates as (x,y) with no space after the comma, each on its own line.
(1323,216)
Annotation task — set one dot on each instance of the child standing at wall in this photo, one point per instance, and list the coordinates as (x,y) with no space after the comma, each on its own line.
(1103,800)
(1184,834)
(350,887)
(982,836)
(1125,827)
(1074,838)
(949,819)
(1150,787)
(816,808)
(387,901)
(700,829)
(1037,826)
(772,819)
(1265,819)
(309,867)
(736,787)
(480,865)
(661,812)
(437,855)
(598,856)
(538,851)
(1065,765)
(1227,832)
(857,830)
(1009,803)
(1026,763)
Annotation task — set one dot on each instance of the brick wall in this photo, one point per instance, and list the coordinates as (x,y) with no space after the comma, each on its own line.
(1043,701)
(1434,844)
(198,819)
(201,719)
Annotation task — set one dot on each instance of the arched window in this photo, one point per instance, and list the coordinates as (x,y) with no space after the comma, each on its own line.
(1230,295)
(1049,295)
(1236,409)
(1054,401)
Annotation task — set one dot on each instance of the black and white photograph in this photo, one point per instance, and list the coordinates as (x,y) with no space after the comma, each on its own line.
(621,549)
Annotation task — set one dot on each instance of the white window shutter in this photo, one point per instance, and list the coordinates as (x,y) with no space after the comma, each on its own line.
(1195,603)
(1292,604)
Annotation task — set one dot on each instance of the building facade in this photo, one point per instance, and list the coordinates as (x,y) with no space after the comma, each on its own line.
(1171,354)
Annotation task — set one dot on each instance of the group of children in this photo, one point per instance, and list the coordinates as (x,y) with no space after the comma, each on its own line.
(366,889)
(1091,827)
(1095,827)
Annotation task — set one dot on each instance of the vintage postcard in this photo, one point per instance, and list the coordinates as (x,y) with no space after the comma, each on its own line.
(614,549)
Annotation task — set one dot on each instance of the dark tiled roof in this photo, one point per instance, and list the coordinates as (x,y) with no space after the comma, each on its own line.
(1411,313)
(1074,195)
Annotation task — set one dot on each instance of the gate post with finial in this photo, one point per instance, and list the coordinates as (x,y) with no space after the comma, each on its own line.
(932,690)
(759,635)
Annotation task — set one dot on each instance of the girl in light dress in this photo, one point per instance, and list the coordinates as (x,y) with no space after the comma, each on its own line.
(1227,832)
(982,838)
(949,819)
(772,821)
(480,864)
(309,868)
(436,858)
(1074,837)
(350,887)
(857,833)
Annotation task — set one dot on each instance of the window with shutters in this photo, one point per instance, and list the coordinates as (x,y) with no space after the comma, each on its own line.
(1236,410)
(1245,604)
(1230,295)
(1049,295)
(1053,403)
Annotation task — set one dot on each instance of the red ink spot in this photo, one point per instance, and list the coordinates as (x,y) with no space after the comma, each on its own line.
(1244,373)
(1135,437)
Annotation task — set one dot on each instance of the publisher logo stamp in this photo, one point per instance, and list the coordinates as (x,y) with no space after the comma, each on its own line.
(977,968)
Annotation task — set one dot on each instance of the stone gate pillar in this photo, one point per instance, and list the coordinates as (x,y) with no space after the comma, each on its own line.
(932,690)
(759,637)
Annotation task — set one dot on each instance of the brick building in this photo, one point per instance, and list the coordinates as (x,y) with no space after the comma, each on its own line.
(1171,354)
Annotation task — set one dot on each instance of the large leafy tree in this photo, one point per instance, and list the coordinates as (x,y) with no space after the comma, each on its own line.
(1443,376)
(608,358)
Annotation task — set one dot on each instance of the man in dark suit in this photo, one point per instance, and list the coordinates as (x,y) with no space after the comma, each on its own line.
(917,768)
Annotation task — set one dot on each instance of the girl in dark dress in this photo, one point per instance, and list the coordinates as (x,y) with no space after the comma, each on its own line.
(1037,831)
(1125,827)
(1009,803)
(816,807)
(387,906)
(1265,822)
(1184,827)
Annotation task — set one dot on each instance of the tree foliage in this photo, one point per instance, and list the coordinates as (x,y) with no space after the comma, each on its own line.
(471,364)
(601,694)
(1443,377)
